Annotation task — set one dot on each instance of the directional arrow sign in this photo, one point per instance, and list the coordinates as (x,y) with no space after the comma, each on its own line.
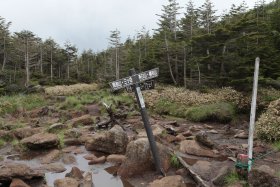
(134,79)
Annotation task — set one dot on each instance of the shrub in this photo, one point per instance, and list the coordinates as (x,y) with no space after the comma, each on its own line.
(268,125)
(219,112)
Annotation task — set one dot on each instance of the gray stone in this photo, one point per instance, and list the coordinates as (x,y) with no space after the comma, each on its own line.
(113,141)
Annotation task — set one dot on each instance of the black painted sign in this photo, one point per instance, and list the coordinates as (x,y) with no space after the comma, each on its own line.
(147,85)
(134,79)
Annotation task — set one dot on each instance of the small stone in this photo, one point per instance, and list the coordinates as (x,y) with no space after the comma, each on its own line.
(66,182)
(75,173)
(57,126)
(87,181)
(174,181)
(202,138)
(50,157)
(99,160)
(90,157)
(68,159)
(193,148)
(187,133)
(241,135)
(213,131)
(114,158)
(182,172)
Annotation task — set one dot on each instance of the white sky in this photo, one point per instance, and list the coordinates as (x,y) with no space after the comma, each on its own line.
(87,23)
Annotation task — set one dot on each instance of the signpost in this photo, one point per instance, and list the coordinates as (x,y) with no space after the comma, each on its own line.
(253,114)
(134,81)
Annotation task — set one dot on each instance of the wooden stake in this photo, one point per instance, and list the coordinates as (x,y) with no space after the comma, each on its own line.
(253,114)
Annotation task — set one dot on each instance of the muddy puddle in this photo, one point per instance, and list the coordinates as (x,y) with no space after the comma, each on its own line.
(99,172)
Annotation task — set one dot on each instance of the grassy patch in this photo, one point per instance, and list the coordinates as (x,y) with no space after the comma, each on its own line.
(78,101)
(2,143)
(165,107)
(276,145)
(232,178)
(219,112)
(10,104)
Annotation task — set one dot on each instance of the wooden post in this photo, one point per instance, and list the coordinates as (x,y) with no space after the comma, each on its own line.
(253,114)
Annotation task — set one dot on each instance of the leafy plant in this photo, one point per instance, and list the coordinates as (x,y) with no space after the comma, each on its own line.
(175,162)
(2,143)
(232,178)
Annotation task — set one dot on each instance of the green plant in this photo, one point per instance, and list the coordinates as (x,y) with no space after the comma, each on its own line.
(174,160)
(15,142)
(61,139)
(2,143)
(276,145)
(232,178)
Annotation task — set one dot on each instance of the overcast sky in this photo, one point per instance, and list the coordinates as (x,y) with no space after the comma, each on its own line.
(87,23)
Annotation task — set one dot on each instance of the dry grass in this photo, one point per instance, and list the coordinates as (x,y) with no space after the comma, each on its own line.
(70,90)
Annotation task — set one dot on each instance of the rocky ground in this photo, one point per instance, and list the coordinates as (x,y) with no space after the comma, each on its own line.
(59,148)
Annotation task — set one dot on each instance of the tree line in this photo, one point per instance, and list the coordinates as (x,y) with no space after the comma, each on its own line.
(196,48)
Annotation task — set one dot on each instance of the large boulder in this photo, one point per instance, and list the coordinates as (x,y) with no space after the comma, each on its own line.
(9,171)
(174,181)
(193,148)
(139,158)
(263,176)
(113,141)
(41,141)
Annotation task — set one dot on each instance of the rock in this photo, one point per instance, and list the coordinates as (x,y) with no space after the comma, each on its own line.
(41,141)
(50,157)
(241,135)
(187,133)
(208,126)
(193,148)
(25,132)
(9,171)
(72,141)
(202,138)
(75,173)
(93,110)
(113,141)
(99,160)
(66,182)
(53,167)
(263,176)
(114,158)
(87,181)
(69,149)
(68,159)
(180,138)
(157,130)
(195,128)
(219,180)
(182,172)
(203,169)
(38,112)
(18,183)
(174,181)
(83,120)
(57,126)
(72,133)
(90,157)
(139,158)
(213,131)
